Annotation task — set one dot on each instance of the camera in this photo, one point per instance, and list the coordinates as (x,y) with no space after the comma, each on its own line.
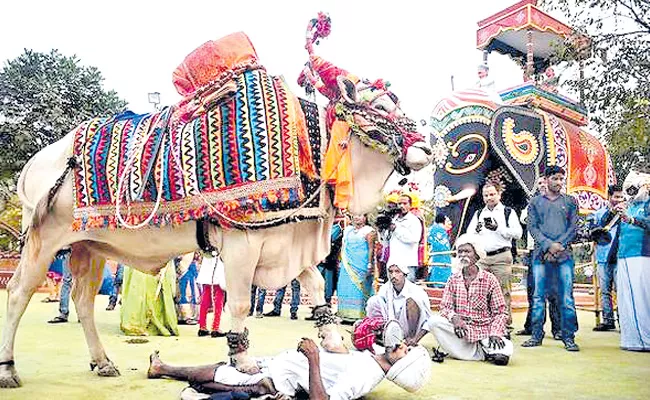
(385,217)
(632,191)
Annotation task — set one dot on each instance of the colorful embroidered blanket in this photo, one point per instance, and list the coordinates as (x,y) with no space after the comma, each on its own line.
(242,158)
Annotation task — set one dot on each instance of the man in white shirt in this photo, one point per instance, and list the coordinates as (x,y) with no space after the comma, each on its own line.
(485,82)
(497,226)
(403,301)
(321,374)
(406,233)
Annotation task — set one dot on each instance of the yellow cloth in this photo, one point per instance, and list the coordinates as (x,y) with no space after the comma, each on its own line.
(148,307)
(338,164)
(416,201)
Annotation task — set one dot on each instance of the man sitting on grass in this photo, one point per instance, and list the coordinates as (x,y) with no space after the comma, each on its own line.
(473,315)
(402,300)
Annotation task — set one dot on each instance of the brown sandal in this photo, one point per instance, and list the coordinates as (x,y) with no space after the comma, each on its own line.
(48,300)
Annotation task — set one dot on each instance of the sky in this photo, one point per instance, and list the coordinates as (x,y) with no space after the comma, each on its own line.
(416,45)
(137,44)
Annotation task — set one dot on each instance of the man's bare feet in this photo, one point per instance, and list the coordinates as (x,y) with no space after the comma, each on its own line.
(154,366)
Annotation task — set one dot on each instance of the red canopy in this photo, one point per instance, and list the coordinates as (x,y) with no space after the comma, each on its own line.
(506,31)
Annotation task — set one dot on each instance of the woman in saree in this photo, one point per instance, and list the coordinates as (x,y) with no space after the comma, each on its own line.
(148,307)
(439,252)
(357,272)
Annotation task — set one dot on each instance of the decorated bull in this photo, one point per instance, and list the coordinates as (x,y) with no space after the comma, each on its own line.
(239,151)
(475,139)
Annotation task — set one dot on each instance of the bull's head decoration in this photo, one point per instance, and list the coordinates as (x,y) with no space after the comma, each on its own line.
(371,110)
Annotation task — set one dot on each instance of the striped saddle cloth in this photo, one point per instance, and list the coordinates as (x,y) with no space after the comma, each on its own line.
(254,156)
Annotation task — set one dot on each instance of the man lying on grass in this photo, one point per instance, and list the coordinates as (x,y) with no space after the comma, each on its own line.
(309,370)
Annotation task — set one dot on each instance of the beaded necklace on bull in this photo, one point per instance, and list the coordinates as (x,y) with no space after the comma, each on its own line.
(386,136)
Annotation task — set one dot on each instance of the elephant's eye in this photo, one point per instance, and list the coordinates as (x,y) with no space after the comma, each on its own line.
(470,158)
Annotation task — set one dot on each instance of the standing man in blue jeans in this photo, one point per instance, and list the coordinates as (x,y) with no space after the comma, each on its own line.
(553,309)
(257,304)
(66,288)
(117,287)
(552,221)
(607,252)
(279,298)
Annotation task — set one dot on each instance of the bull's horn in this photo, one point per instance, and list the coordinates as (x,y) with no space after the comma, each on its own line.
(318,73)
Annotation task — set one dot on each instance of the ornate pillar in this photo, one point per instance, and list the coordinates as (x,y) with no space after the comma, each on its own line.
(530,67)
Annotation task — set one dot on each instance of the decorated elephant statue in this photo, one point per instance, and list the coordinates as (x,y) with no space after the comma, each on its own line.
(478,137)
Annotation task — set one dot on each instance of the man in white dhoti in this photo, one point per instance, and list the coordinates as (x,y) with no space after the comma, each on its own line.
(633,275)
(320,374)
(402,300)
(472,321)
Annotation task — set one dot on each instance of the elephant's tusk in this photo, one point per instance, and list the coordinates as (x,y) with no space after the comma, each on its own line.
(462,195)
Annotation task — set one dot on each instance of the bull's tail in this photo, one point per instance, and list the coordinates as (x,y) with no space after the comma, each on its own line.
(44,205)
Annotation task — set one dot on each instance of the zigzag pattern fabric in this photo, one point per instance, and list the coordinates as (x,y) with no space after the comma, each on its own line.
(240,158)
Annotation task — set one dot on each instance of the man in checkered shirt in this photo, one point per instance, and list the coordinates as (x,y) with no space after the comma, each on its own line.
(473,315)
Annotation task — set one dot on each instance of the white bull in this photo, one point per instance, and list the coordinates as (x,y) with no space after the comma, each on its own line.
(268,258)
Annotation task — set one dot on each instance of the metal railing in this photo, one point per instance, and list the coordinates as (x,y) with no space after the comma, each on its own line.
(520,271)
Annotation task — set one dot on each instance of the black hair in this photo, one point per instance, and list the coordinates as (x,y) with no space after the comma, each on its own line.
(554,169)
(407,196)
(497,186)
(617,187)
(440,218)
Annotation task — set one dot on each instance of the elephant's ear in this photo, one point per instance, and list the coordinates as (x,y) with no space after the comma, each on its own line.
(347,88)
(517,137)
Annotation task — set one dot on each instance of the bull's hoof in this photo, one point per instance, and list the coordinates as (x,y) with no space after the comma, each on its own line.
(108,370)
(9,377)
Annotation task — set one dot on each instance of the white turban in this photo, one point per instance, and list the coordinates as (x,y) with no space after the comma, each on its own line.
(474,241)
(412,371)
(402,267)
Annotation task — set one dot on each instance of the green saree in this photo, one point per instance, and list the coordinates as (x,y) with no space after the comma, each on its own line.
(148,307)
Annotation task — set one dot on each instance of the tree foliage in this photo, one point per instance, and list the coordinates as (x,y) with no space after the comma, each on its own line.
(10,227)
(43,97)
(616,85)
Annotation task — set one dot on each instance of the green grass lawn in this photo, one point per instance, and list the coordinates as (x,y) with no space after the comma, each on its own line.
(53,362)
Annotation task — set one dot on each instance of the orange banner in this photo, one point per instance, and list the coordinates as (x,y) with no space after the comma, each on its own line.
(587,162)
